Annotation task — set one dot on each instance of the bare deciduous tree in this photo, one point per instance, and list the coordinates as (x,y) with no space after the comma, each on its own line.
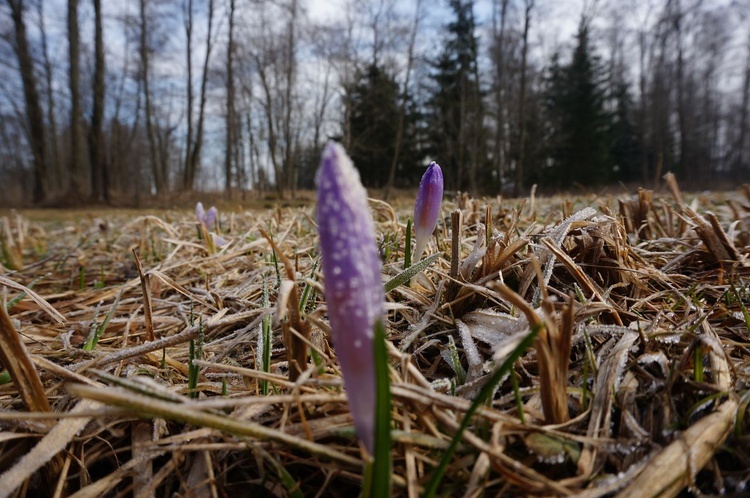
(404,99)
(273,47)
(740,163)
(55,170)
(34,114)
(231,124)
(97,161)
(77,169)
(194,145)
(499,23)
(528,7)
(158,166)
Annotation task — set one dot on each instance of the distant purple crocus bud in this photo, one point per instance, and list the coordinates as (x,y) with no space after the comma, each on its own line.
(353,286)
(427,207)
(208,219)
(211,216)
(200,213)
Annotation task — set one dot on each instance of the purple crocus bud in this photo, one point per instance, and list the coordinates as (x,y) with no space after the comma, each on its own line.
(207,219)
(211,216)
(427,207)
(200,213)
(353,286)
(218,240)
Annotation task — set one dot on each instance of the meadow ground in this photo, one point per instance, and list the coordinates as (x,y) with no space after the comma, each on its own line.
(140,358)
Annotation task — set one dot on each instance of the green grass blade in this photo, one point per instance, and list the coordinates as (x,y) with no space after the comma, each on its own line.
(307,291)
(265,339)
(745,313)
(194,370)
(94,339)
(455,361)
(486,391)
(407,246)
(519,399)
(740,419)
(22,295)
(192,377)
(290,485)
(90,339)
(698,364)
(15,300)
(701,404)
(407,274)
(276,265)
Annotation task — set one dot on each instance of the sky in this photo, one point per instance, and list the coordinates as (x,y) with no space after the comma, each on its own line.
(553,26)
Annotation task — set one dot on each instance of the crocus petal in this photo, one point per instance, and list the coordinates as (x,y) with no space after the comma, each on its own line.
(353,286)
(427,207)
(211,216)
(218,240)
(200,213)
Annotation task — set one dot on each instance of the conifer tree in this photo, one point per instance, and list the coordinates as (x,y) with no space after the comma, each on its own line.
(624,139)
(455,110)
(579,133)
(374,103)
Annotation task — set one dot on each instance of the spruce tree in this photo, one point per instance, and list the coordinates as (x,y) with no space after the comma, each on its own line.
(624,139)
(455,110)
(579,134)
(372,124)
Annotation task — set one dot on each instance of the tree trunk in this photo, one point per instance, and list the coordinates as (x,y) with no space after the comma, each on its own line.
(740,166)
(320,111)
(195,154)
(477,123)
(682,120)
(522,100)
(272,138)
(77,171)
(499,153)
(160,182)
(187,175)
(55,171)
(251,153)
(289,167)
(97,162)
(33,107)
(645,177)
(231,120)
(404,102)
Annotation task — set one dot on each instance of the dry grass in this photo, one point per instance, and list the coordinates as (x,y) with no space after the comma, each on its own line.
(637,383)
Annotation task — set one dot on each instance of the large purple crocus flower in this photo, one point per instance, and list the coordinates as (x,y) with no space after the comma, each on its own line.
(353,286)
(427,207)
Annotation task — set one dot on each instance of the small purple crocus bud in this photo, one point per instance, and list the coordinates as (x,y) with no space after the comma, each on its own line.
(207,219)
(218,240)
(427,207)
(353,286)
(200,213)
(211,216)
